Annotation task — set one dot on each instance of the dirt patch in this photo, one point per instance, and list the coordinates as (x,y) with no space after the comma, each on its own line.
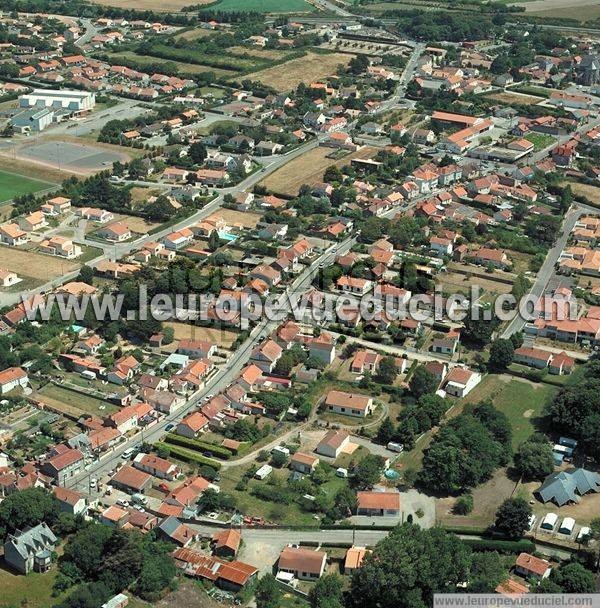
(528,413)
(35,265)
(223,338)
(486,500)
(188,595)
(239,218)
(515,98)
(11,164)
(308,169)
(137,224)
(312,66)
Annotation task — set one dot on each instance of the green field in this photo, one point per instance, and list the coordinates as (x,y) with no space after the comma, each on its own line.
(540,140)
(12,185)
(32,591)
(521,401)
(263,6)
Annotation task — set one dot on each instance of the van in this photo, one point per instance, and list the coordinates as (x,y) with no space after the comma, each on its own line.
(340,472)
(128,453)
(395,447)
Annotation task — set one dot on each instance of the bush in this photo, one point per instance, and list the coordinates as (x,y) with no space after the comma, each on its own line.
(501,546)
(464,504)
(198,446)
(189,456)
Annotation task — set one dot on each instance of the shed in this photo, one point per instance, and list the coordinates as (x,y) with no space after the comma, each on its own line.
(567,525)
(549,521)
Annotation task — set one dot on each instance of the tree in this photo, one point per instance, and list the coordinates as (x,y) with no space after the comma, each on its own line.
(422,382)
(368,472)
(512,517)
(197,153)
(464,504)
(407,567)
(479,330)
(333,174)
(534,460)
(86,275)
(28,508)
(517,339)
(386,431)
(521,286)
(214,242)
(501,354)
(574,578)
(267,592)
(487,571)
(327,592)
(387,371)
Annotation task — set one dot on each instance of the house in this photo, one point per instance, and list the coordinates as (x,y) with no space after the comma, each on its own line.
(231,575)
(561,364)
(354,559)
(12,378)
(250,376)
(187,493)
(354,285)
(70,501)
(382,504)
(172,530)
(333,444)
(568,486)
(496,258)
(12,235)
(460,381)
(510,588)
(350,404)
(33,221)
(60,246)
(445,346)
(131,480)
(530,566)
(31,549)
(116,233)
(197,349)
(304,564)
(63,464)
(533,357)
(303,463)
(266,356)
(156,466)
(365,360)
(8,278)
(440,246)
(226,543)
(322,348)
(128,418)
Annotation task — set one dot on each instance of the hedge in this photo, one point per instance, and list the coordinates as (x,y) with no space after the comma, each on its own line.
(502,546)
(188,455)
(198,446)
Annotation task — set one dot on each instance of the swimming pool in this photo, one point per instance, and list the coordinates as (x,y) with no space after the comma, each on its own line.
(227,236)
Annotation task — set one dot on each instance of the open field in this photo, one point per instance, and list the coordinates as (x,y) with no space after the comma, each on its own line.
(35,265)
(255,52)
(195,34)
(515,98)
(540,140)
(264,6)
(591,192)
(182,67)
(583,10)
(12,185)
(68,401)
(32,591)
(151,5)
(223,338)
(456,282)
(521,401)
(312,66)
(136,224)
(239,218)
(308,169)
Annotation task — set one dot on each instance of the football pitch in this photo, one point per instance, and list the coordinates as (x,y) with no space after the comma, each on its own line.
(12,185)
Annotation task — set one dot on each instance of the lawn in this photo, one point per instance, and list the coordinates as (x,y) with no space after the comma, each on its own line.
(59,397)
(264,6)
(32,591)
(521,401)
(540,140)
(12,185)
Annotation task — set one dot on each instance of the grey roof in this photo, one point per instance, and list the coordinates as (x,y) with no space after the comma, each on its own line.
(32,541)
(169,525)
(568,486)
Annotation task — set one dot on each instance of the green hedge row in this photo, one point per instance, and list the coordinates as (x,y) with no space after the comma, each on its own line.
(502,546)
(189,455)
(198,446)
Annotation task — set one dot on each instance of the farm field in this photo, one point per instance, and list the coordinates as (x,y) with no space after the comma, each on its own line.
(223,338)
(35,265)
(307,169)
(264,6)
(12,185)
(312,66)
(151,5)
(59,397)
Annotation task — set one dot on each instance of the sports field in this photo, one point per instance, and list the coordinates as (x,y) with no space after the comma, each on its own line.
(12,185)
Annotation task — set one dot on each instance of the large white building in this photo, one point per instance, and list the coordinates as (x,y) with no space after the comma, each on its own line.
(59,99)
